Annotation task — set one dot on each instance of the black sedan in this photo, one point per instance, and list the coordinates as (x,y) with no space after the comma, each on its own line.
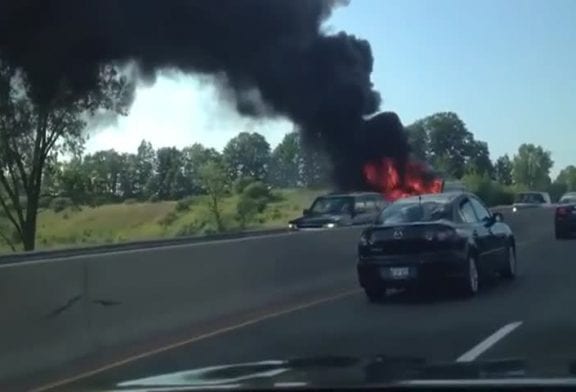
(565,217)
(439,238)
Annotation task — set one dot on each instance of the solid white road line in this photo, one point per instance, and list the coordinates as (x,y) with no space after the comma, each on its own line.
(490,341)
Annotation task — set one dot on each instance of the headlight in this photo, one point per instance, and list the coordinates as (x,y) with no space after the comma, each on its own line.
(292,226)
(330,225)
(514,209)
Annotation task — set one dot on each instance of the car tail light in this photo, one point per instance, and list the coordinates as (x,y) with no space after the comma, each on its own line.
(563,210)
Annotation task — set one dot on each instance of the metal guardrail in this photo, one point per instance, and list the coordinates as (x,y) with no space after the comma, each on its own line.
(10,258)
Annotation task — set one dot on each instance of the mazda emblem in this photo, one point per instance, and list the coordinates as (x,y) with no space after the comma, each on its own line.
(398,234)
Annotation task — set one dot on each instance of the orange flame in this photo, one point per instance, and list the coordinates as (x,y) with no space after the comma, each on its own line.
(384,177)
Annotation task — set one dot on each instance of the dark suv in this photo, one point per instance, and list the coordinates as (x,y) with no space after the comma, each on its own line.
(344,209)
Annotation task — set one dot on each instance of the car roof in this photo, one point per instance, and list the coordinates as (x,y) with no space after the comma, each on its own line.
(352,194)
(445,197)
(532,193)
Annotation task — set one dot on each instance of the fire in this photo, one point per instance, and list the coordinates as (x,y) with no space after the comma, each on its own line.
(384,177)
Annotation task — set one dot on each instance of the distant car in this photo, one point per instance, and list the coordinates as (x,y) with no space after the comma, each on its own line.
(434,239)
(568,198)
(337,210)
(565,216)
(531,200)
(454,186)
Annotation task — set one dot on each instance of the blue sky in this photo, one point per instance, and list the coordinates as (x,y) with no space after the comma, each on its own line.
(507,67)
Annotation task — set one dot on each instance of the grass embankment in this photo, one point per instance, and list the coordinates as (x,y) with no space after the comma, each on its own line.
(115,223)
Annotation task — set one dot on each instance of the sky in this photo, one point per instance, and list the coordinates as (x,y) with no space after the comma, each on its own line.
(507,68)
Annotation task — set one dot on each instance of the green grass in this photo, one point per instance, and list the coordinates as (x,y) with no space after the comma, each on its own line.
(115,223)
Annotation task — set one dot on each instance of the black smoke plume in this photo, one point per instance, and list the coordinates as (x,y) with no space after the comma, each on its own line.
(320,81)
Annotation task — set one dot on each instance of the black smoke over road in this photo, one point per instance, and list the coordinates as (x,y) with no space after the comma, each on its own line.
(275,47)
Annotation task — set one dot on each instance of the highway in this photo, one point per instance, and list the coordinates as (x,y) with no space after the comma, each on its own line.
(532,317)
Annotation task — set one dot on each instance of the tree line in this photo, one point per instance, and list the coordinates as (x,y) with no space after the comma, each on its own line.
(36,131)
(170,173)
(444,141)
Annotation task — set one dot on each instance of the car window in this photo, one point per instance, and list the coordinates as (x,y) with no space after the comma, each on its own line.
(370,204)
(360,205)
(481,212)
(568,199)
(467,212)
(378,202)
(415,212)
(331,205)
(535,198)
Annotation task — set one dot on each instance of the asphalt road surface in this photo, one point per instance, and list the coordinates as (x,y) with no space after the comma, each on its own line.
(532,317)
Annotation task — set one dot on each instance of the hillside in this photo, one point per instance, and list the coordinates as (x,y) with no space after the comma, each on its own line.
(114,223)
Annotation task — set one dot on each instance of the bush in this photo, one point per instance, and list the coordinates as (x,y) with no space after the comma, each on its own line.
(241,183)
(130,201)
(184,204)
(60,203)
(168,219)
(276,197)
(44,201)
(491,192)
(98,201)
(246,210)
(276,214)
(257,190)
(193,228)
(154,199)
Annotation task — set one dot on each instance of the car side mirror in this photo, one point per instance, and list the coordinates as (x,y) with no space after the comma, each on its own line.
(306,212)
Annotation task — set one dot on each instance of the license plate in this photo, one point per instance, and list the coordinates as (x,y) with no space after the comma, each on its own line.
(395,273)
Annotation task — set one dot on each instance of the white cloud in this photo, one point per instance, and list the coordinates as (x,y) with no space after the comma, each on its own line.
(179,110)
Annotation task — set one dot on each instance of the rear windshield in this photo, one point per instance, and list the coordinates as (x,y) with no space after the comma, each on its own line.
(414,212)
(332,205)
(530,198)
(568,199)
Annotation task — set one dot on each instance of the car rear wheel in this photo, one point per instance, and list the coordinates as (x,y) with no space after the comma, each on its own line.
(509,270)
(375,294)
(471,281)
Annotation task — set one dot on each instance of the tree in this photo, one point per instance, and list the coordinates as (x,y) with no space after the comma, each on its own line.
(104,169)
(169,178)
(31,130)
(194,157)
(284,163)
(449,142)
(215,183)
(145,166)
(247,155)
(419,140)
(314,168)
(567,176)
(74,181)
(503,170)
(531,166)
(479,159)
(127,179)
